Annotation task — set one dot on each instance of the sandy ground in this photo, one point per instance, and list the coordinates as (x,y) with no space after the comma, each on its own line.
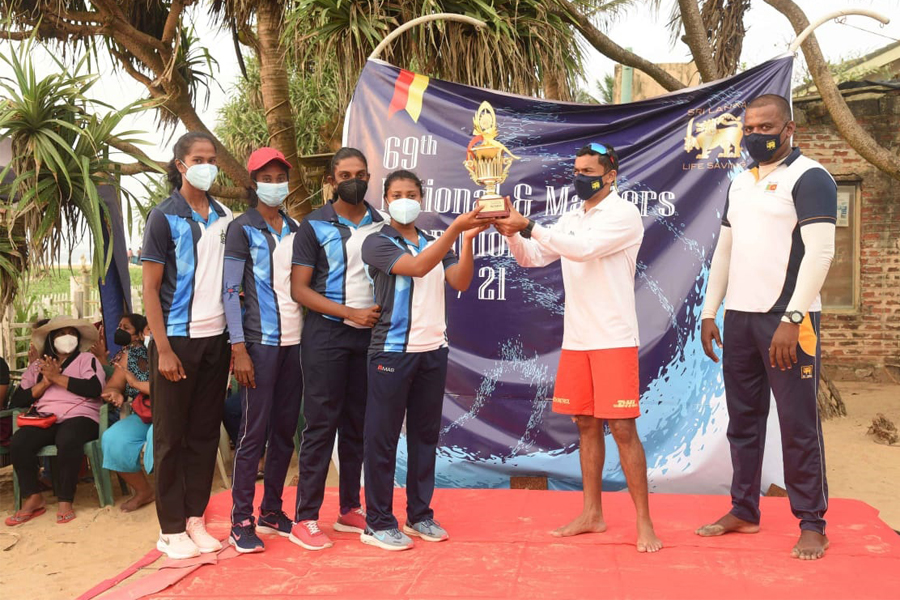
(44,560)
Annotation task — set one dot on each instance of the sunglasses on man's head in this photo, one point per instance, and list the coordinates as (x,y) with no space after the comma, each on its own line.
(601,149)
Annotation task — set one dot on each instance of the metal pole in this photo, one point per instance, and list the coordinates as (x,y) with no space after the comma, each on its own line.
(627,82)
(418,21)
(834,15)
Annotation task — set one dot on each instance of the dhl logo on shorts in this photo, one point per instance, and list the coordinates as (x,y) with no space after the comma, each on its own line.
(557,400)
(625,404)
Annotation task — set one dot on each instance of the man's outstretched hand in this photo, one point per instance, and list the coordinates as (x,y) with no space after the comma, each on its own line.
(513,224)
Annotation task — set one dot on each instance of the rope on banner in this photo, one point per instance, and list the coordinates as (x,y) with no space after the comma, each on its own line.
(834,15)
(418,21)
(843,21)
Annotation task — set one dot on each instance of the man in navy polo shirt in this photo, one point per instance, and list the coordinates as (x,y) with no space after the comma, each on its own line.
(265,341)
(328,278)
(775,247)
(183,254)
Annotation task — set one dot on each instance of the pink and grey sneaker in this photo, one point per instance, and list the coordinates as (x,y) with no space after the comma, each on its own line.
(307,534)
(352,522)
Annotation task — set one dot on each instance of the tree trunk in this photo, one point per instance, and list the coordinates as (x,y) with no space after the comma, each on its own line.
(277,101)
(697,39)
(858,138)
(551,84)
(829,398)
(609,48)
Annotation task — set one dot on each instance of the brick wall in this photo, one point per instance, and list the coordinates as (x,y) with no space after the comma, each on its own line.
(866,342)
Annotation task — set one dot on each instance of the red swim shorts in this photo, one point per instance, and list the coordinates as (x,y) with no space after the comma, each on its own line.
(599,383)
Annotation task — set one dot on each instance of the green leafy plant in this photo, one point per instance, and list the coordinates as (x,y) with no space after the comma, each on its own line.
(60,160)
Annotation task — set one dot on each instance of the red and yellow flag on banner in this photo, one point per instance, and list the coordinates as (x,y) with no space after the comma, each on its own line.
(408,91)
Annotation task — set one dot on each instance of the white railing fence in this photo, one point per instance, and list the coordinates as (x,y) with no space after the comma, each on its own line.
(82,300)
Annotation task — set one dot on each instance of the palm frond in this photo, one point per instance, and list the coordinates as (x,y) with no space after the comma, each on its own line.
(60,159)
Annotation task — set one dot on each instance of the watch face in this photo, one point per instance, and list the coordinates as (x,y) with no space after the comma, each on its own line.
(796,318)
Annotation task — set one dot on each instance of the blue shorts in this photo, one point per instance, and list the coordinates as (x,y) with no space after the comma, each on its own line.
(122,444)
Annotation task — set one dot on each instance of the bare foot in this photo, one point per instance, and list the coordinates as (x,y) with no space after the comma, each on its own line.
(64,512)
(32,503)
(137,501)
(810,546)
(728,524)
(646,538)
(583,523)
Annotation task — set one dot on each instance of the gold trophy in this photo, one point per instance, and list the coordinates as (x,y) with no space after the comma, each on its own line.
(488,162)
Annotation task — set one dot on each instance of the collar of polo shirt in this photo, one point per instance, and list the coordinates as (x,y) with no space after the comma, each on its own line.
(794,155)
(332,215)
(256,219)
(184,210)
(613,194)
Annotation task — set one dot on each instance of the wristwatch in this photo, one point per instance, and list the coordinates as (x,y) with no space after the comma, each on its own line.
(795,316)
(526,233)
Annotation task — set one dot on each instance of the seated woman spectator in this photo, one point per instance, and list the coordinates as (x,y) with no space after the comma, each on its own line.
(65,382)
(123,442)
(21,398)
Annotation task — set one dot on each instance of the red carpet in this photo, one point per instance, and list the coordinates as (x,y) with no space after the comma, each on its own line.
(499,548)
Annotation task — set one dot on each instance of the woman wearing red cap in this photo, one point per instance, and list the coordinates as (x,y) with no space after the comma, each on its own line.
(265,343)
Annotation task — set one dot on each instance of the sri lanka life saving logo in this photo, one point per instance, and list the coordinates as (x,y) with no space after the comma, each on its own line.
(408,91)
(723,133)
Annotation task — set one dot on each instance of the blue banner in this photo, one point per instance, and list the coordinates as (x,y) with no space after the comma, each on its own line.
(678,153)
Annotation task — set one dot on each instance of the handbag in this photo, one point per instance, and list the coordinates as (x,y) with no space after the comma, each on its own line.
(141,407)
(33,418)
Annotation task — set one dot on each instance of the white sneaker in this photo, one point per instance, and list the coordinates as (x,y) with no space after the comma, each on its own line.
(178,546)
(196,528)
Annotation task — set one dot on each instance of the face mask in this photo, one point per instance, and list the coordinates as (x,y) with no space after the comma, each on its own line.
(352,191)
(147,340)
(272,194)
(586,186)
(201,176)
(762,147)
(65,344)
(404,210)
(122,337)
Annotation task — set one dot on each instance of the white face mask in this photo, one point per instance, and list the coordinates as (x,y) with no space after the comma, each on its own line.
(201,176)
(66,343)
(404,210)
(272,194)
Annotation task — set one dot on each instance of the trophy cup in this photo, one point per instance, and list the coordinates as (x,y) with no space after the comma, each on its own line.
(488,162)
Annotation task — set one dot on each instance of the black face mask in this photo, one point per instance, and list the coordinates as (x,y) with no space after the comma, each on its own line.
(762,146)
(586,186)
(122,337)
(352,191)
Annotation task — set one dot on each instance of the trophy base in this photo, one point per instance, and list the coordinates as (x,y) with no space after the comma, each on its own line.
(494,206)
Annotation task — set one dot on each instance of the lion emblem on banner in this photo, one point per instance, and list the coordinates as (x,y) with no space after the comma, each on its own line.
(723,132)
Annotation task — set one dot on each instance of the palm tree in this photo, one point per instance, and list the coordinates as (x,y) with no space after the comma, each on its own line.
(60,157)
(527,47)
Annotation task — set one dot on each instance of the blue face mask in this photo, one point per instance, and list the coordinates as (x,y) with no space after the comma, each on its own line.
(404,210)
(272,194)
(762,147)
(201,176)
(587,187)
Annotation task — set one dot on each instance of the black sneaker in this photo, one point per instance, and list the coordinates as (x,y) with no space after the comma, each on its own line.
(274,521)
(244,539)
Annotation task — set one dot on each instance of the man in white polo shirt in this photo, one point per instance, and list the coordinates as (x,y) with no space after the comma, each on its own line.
(775,247)
(597,379)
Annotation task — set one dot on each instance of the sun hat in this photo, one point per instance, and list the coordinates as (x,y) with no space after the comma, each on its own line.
(88,333)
